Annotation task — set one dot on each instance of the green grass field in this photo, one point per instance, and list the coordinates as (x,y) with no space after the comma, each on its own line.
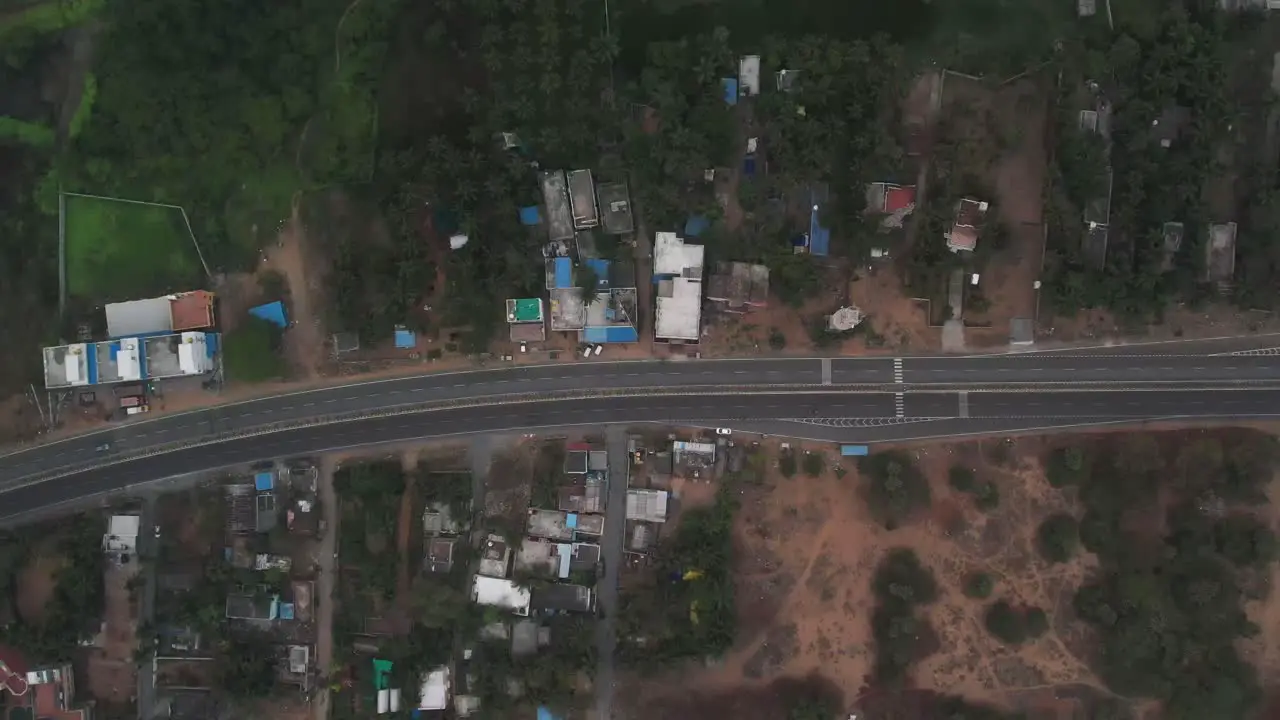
(121,250)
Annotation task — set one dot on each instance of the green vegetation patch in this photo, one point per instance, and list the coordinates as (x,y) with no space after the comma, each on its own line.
(1058,538)
(88,95)
(47,17)
(251,352)
(1181,584)
(1011,625)
(903,636)
(27,133)
(895,488)
(119,250)
(688,609)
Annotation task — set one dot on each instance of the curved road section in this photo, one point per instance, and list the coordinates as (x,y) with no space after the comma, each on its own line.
(1020,390)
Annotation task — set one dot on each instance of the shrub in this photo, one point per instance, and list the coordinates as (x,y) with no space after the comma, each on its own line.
(901,576)
(777,340)
(902,636)
(979,585)
(787,463)
(251,352)
(895,488)
(1005,623)
(1036,622)
(813,463)
(1244,540)
(962,479)
(1058,537)
(988,497)
(1065,467)
(1012,626)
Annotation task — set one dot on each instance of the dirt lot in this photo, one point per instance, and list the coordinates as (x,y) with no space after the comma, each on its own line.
(305,343)
(1001,137)
(38,580)
(806,552)
(112,673)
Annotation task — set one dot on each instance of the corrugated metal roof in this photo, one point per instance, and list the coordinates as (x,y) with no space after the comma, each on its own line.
(139,317)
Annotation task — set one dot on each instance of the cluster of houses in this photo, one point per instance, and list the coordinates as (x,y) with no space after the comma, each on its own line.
(559,544)
(549,571)
(654,471)
(587,295)
(161,339)
(1166,130)
(29,690)
(273,507)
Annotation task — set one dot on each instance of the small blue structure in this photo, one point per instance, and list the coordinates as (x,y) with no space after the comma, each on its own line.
(530,215)
(286,611)
(749,166)
(730,87)
(272,312)
(563,273)
(610,334)
(545,713)
(854,450)
(264,481)
(571,521)
(406,339)
(696,225)
(601,269)
(819,236)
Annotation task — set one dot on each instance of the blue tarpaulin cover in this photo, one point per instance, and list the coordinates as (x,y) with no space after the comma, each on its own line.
(530,215)
(730,86)
(406,339)
(696,225)
(601,269)
(264,481)
(272,312)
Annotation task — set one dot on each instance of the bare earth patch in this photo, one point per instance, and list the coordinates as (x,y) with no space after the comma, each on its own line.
(38,580)
(806,551)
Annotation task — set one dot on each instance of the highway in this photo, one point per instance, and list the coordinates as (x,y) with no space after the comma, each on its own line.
(836,416)
(913,373)
(876,398)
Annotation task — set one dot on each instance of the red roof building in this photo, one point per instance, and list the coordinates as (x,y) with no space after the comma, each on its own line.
(13,671)
(964,233)
(899,198)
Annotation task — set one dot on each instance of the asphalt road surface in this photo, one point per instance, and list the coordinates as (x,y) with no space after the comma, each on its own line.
(1098,366)
(839,417)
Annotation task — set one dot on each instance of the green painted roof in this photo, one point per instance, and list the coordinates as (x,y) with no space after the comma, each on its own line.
(526,310)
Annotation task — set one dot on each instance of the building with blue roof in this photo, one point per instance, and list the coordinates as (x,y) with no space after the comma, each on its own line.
(130,359)
(406,339)
(819,239)
(530,215)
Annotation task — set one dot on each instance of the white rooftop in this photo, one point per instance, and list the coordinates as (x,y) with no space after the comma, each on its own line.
(500,592)
(647,505)
(193,356)
(128,359)
(672,256)
(749,75)
(679,304)
(67,365)
(139,317)
(435,690)
(122,534)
